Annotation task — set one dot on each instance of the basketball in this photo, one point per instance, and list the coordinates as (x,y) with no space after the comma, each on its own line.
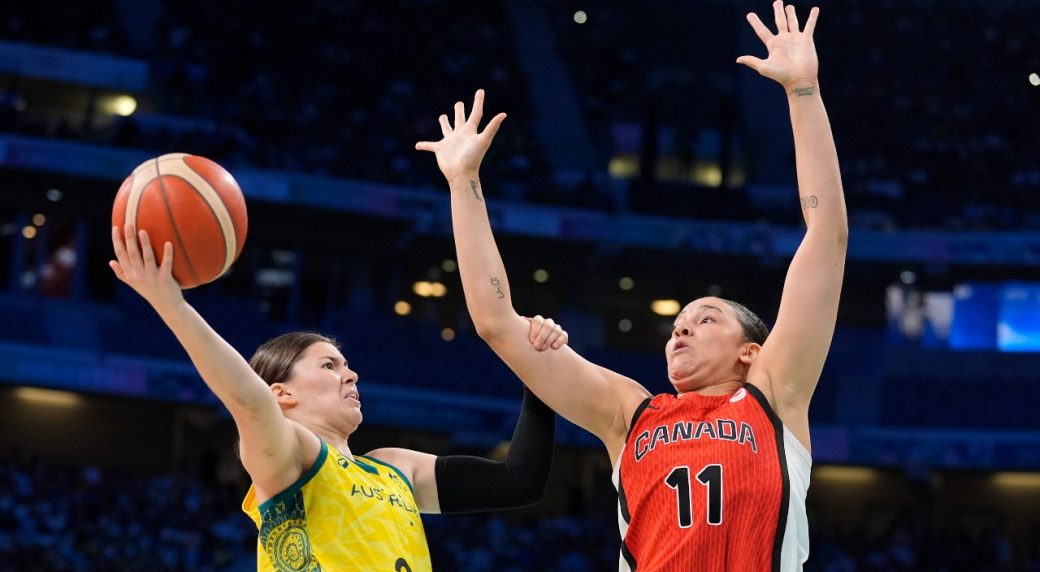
(191,202)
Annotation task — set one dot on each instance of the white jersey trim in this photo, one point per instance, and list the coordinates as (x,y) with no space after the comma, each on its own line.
(795,549)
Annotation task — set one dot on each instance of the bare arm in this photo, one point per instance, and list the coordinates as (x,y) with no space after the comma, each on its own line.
(593,398)
(792,359)
(271,450)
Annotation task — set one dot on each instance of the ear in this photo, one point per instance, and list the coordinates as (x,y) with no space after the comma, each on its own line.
(749,352)
(284,396)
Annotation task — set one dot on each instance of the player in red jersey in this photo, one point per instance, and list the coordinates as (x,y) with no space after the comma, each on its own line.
(713,477)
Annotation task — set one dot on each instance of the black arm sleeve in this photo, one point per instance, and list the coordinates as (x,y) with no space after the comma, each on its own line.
(474,484)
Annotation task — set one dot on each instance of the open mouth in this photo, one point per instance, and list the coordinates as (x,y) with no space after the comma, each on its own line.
(353,395)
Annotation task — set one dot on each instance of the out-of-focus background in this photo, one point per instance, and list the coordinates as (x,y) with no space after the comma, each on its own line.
(640,168)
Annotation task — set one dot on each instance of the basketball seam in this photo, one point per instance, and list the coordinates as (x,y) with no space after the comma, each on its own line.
(173,224)
(229,253)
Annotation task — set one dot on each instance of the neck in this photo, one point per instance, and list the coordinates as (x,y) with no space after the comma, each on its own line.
(333,436)
(727,387)
(337,441)
(724,388)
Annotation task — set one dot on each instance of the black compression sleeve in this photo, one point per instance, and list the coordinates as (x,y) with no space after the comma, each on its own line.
(473,484)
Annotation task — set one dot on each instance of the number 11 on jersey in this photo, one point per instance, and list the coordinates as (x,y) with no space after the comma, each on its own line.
(711,478)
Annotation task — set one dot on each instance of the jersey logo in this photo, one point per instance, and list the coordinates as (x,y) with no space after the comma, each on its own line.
(718,430)
(740,394)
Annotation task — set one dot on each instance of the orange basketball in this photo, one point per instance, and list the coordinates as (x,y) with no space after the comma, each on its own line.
(192,202)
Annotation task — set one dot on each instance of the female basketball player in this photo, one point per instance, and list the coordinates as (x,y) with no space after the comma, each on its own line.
(715,476)
(316,505)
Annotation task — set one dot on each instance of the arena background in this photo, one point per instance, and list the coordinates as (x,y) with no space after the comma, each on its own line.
(639,163)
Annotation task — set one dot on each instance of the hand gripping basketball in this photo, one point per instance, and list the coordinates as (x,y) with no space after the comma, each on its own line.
(192,203)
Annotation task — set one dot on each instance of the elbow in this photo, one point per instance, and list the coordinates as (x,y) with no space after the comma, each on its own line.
(529,494)
(490,330)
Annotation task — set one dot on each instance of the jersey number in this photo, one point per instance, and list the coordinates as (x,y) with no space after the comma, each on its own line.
(711,477)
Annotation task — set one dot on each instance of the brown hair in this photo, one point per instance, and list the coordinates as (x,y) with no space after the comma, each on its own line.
(755,330)
(274,360)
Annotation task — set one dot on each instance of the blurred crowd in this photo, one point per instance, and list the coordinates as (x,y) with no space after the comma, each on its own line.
(247,83)
(931,102)
(81,518)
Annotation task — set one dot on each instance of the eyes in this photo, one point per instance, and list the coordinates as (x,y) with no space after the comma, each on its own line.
(703,320)
(328,365)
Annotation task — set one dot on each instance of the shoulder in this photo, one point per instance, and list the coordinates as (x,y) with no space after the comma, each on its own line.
(309,453)
(405,461)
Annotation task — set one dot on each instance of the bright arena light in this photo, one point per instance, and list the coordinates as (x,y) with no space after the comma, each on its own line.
(423,288)
(447,334)
(49,397)
(581,17)
(402,308)
(1034,79)
(428,289)
(541,276)
(124,105)
(665,307)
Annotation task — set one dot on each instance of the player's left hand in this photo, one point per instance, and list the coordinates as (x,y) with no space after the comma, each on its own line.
(462,149)
(546,334)
(792,57)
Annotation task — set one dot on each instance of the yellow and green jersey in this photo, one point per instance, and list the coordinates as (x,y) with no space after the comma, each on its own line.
(342,514)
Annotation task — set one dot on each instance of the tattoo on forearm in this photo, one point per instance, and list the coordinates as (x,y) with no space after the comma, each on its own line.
(476,190)
(809,202)
(803,91)
(498,288)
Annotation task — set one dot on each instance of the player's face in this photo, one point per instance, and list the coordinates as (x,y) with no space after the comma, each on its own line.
(705,345)
(326,387)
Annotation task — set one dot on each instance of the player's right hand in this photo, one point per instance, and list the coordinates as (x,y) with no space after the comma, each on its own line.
(135,266)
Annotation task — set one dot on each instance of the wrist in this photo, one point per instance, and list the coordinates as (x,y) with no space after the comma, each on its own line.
(170,309)
(463,178)
(802,87)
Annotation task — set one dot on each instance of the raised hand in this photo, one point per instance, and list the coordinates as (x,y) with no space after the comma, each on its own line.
(792,55)
(462,149)
(135,266)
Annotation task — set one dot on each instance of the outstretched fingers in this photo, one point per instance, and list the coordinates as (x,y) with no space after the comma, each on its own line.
(751,62)
(477,113)
(493,125)
(810,24)
(780,17)
(760,29)
(460,114)
(445,126)
(792,19)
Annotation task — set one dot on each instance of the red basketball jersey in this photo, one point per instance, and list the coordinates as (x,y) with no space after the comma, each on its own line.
(703,485)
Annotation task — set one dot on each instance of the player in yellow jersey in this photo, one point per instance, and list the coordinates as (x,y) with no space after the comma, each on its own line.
(317,505)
